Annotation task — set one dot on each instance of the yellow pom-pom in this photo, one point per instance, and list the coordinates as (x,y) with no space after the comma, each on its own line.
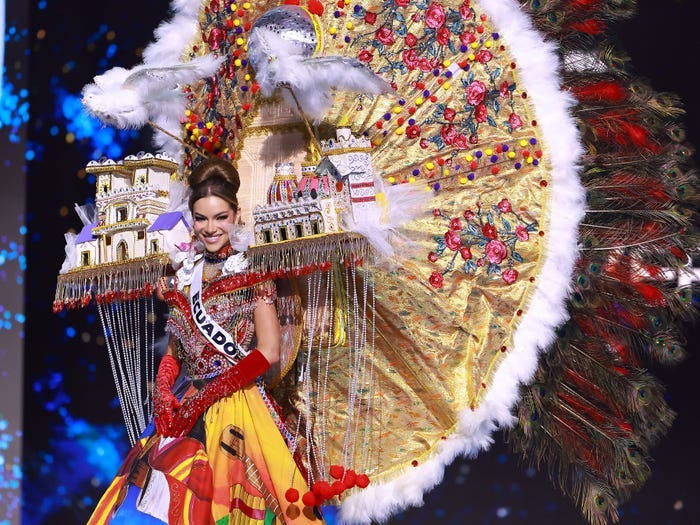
(469,158)
(511,154)
(332,30)
(398,131)
(238,62)
(446,85)
(488,151)
(397,109)
(349,26)
(523,143)
(419,101)
(446,63)
(462,180)
(391,180)
(411,179)
(236,22)
(240,41)
(246,5)
(430,165)
(488,44)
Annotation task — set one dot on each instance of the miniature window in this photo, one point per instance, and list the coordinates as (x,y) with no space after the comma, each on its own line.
(267,236)
(299,228)
(154,246)
(284,234)
(121,214)
(315,228)
(140,234)
(108,240)
(84,258)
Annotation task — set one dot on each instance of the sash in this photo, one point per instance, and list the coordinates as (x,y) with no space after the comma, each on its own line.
(219,338)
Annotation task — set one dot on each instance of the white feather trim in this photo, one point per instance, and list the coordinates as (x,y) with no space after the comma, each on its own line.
(69,261)
(539,73)
(87,213)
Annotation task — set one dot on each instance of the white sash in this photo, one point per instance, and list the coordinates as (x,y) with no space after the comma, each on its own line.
(220,339)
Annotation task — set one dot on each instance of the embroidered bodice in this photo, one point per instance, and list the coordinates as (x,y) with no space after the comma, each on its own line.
(230,300)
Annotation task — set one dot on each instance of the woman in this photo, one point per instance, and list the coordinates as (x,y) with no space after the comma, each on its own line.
(220,452)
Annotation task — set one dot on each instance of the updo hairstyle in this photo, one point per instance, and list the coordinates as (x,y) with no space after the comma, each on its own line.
(214,176)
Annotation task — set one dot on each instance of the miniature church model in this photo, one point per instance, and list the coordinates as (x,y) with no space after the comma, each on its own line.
(133,220)
(340,186)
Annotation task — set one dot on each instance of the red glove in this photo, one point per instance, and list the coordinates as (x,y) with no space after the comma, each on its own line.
(165,403)
(230,381)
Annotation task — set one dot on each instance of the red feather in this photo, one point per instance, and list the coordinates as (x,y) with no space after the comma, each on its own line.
(605,90)
(652,295)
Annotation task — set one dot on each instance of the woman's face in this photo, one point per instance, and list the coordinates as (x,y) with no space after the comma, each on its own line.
(213,218)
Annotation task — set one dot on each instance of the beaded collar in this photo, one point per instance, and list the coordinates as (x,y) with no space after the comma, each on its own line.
(220,256)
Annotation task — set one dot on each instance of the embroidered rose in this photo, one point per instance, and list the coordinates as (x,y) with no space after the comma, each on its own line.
(481,113)
(484,56)
(464,11)
(434,16)
(505,206)
(410,58)
(411,40)
(521,233)
(465,252)
(496,251)
(476,92)
(474,138)
(509,275)
(489,231)
(452,240)
(424,144)
(467,38)
(432,256)
(504,89)
(456,224)
(384,35)
(469,215)
(443,36)
(448,134)
(370,17)
(401,3)
(461,141)
(514,120)
(427,65)
(365,56)
(413,131)
(435,280)
(449,114)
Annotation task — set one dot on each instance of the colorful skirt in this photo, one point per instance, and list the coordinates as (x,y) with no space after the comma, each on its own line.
(232,469)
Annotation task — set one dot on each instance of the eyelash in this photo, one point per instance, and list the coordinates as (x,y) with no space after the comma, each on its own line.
(219,218)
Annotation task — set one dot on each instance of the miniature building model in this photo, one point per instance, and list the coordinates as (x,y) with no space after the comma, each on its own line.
(342,184)
(132,218)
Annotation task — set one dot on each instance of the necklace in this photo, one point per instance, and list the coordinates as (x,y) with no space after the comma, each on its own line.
(220,256)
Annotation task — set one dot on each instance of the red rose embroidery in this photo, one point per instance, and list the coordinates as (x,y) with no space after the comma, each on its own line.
(469,215)
(504,89)
(370,17)
(461,141)
(515,121)
(489,231)
(464,11)
(449,114)
(411,40)
(467,38)
(456,224)
(365,56)
(434,16)
(448,134)
(384,35)
(509,275)
(424,143)
(521,233)
(435,280)
(413,131)
(505,206)
(443,36)
(496,251)
(453,240)
(484,56)
(481,113)
(476,92)
(465,252)
(432,256)
(410,58)
(401,3)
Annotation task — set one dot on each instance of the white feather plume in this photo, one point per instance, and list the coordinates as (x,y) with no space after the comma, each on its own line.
(128,98)
(282,63)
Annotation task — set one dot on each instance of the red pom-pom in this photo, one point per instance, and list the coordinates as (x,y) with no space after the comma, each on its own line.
(337,471)
(362,480)
(349,479)
(292,495)
(309,499)
(323,489)
(338,488)
(315,7)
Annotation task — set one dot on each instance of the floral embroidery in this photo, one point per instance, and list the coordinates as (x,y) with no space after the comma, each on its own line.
(485,238)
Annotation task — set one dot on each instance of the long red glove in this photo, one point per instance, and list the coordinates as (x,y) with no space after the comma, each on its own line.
(230,381)
(165,404)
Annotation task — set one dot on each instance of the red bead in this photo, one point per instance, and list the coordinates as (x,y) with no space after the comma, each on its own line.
(292,495)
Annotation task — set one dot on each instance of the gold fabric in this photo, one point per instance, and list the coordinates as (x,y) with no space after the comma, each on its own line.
(443,321)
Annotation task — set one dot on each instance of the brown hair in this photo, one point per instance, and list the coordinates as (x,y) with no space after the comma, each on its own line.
(214,176)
